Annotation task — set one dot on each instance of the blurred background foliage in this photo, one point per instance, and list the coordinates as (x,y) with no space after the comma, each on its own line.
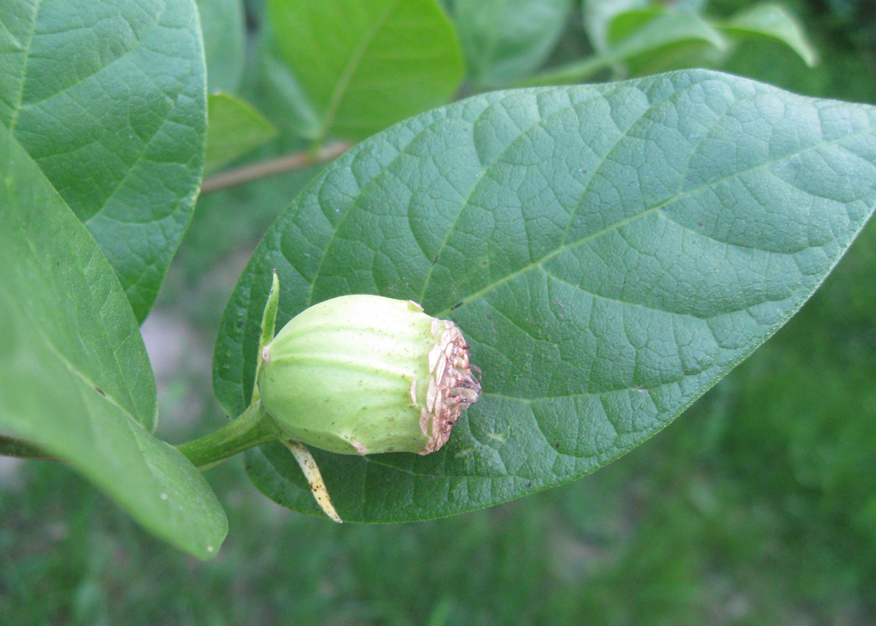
(757,506)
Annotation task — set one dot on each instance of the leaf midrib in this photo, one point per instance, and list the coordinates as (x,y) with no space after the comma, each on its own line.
(561,249)
(524,133)
(17,108)
(352,66)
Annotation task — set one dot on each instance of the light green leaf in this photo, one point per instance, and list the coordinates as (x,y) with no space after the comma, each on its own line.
(222,23)
(109,99)
(365,64)
(74,375)
(233,129)
(506,40)
(772,21)
(610,252)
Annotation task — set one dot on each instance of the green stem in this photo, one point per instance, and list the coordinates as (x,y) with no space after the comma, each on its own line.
(253,428)
(10,446)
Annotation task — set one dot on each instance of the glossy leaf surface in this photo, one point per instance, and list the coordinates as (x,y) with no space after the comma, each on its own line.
(610,252)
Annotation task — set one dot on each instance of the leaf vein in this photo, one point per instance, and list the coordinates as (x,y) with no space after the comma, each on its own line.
(657,207)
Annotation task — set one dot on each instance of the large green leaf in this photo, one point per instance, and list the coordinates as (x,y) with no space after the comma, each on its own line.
(365,64)
(109,99)
(610,252)
(74,374)
(506,40)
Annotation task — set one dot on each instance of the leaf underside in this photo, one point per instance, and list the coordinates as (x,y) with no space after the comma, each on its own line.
(609,251)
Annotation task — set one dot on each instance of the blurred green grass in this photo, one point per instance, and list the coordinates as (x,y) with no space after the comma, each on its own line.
(758,506)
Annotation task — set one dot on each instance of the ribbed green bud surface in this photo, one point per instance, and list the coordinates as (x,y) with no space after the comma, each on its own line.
(366,374)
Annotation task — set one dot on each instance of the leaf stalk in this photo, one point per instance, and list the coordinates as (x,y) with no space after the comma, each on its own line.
(252,428)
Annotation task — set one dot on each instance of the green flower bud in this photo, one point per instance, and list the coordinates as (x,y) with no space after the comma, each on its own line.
(366,374)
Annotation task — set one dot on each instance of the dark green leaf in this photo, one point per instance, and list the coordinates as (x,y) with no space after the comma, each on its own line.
(233,129)
(224,43)
(365,64)
(504,41)
(772,21)
(74,374)
(108,98)
(610,252)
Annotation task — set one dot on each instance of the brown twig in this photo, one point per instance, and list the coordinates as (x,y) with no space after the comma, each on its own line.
(294,161)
